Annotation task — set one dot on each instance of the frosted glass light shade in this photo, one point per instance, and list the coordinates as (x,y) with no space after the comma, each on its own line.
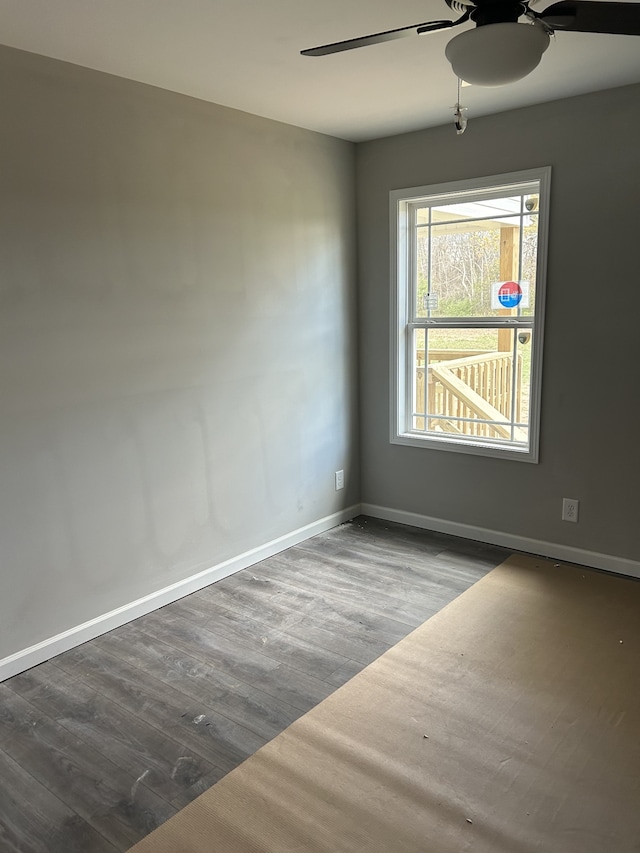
(495,54)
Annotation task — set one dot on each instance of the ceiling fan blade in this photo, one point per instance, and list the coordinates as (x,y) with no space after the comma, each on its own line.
(377,38)
(593,16)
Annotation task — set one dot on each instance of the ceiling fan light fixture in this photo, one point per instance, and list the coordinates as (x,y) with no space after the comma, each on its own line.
(497,54)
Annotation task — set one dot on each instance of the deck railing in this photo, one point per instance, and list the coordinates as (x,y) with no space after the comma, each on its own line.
(467,388)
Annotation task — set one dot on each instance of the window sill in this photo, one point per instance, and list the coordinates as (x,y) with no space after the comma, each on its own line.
(502,450)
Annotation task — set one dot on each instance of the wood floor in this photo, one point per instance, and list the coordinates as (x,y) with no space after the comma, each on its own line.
(105,742)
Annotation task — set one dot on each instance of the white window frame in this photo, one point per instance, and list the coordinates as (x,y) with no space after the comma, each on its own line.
(402,308)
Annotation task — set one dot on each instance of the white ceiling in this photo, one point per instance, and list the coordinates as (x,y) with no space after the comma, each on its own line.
(245,54)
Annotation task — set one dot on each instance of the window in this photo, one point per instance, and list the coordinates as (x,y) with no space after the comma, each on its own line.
(469,265)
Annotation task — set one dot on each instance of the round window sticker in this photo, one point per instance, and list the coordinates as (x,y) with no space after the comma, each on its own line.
(510,294)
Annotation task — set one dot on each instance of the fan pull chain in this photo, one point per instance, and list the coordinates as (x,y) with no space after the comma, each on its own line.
(459,118)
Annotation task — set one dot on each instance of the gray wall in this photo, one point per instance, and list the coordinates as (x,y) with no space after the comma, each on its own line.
(178,335)
(590,436)
(177,339)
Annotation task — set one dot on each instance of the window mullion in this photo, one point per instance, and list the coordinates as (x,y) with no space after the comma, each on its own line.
(523,322)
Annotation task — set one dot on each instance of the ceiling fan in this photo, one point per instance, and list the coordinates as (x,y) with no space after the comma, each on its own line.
(500,50)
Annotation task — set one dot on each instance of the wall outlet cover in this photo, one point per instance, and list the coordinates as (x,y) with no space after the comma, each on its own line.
(570,509)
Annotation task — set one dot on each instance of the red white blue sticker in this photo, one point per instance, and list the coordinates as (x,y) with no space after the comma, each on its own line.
(510,294)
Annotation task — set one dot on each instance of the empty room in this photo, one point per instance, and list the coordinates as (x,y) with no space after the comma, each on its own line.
(319,519)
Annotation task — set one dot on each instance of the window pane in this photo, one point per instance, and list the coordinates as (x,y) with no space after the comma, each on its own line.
(530,259)
(472,383)
(493,209)
(465,263)
(476,259)
(422,307)
(418,372)
(475,270)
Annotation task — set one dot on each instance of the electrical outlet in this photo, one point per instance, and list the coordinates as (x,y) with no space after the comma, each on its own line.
(570,507)
(339,480)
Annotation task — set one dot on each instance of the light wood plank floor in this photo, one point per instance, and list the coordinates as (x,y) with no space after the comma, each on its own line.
(103,743)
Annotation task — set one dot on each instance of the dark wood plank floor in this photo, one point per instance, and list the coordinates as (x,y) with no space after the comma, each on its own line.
(103,743)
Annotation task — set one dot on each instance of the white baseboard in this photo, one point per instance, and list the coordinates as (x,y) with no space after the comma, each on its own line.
(40,652)
(43,651)
(566,553)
